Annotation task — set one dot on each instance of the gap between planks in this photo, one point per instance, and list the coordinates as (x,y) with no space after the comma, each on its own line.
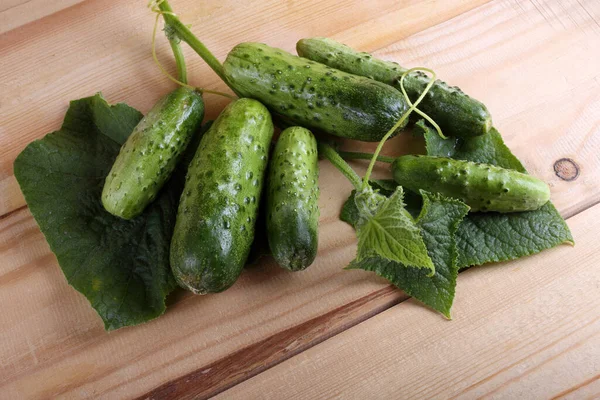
(536,338)
(233,369)
(243,364)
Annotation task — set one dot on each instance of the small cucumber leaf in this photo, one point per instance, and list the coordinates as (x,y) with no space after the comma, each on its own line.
(385,186)
(390,233)
(438,221)
(491,237)
(349,213)
(121,267)
(488,149)
(412,201)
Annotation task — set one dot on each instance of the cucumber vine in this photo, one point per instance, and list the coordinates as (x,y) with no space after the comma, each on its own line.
(162,8)
(386,229)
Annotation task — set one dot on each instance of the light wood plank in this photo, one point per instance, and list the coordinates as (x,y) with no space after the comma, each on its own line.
(55,344)
(16,13)
(104,45)
(536,66)
(51,336)
(525,329)
(60,341)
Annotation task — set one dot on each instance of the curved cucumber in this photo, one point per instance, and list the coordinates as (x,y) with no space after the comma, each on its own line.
(483,187)
(219,204)
(150,154)
(314,95)
(292,199)
(454,111)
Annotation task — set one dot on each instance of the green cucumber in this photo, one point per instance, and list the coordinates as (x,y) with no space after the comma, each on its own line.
(150,154)
(454,111)
(483,187)
(292,199)
(219,204)
(314,95)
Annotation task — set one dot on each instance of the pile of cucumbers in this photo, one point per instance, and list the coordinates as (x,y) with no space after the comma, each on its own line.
(328,89)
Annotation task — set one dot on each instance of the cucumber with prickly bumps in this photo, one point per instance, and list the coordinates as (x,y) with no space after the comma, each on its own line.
(483,187)
(454,111)
(292,199)
(150,154)
(219,204)
(314,95)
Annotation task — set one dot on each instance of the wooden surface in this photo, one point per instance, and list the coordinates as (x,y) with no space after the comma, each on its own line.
(526,329)
(523,330)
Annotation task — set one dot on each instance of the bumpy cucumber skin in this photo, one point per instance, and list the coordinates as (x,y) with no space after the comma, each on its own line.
(314,95)
(150,154)
(453,110)
(219,204)
(292,199)
(483,187)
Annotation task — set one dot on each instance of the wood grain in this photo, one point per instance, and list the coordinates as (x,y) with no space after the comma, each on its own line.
(16,13)
(53,343)
(260,356)
(521,330)
(536,66)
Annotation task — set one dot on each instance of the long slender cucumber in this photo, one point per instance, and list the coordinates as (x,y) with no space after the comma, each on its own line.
(483,187)
(219,204)
(453,110)
(150,154)
(292,199)
(314,95)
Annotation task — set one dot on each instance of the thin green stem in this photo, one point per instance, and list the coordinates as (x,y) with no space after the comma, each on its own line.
(421,113)
(217,93)
(179,61)
(432,122)
(161,7)
(365,183)
(176,47)
(329,153)
(354,155)
(187,36)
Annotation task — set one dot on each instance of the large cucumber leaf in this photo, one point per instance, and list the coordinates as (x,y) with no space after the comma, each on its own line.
(121,267)
(438,222)
(455,241)
(491,237)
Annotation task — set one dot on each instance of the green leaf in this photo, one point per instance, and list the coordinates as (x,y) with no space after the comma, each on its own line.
(438,221)
(484,238)
(385,187)
(488,149)
(491,237)
(121,267)
(349,213)
(391,234)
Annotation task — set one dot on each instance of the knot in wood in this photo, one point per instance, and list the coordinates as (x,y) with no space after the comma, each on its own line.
(566,169)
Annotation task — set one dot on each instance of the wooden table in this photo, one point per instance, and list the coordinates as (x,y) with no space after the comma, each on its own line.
(524,329)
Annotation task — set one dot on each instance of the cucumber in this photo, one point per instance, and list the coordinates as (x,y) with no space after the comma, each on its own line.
(455,112)
(314,95)
(150,154)
(219,204)
(292,199)
(483,187)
